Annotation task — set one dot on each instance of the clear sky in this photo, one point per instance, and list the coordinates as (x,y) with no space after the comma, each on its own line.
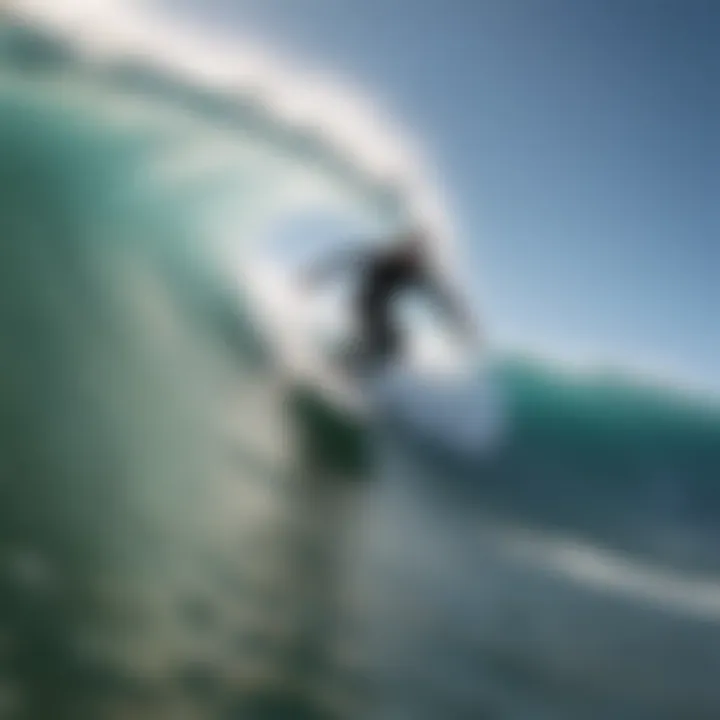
(579,141)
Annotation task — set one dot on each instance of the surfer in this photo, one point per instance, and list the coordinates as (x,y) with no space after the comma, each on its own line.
(383,274)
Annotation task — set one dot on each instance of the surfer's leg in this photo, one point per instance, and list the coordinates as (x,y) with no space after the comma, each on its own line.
(378,341)
(382,343)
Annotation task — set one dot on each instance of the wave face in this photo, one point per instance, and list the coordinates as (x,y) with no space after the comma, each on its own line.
(154,518)
(607,454)
(179,535)
(576,568)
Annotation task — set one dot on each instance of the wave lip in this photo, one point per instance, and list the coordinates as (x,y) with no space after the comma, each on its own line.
(314,119)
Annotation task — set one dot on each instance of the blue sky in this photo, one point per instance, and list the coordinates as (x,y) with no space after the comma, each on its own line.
(579,142)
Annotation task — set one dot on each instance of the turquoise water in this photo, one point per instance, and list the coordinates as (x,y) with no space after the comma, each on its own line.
(182,537)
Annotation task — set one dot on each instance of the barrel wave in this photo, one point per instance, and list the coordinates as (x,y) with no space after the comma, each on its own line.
(182,534)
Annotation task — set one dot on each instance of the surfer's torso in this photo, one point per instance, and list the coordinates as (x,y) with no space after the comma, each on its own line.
(382,279)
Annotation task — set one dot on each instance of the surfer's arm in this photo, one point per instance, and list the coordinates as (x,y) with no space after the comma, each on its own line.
(452,307)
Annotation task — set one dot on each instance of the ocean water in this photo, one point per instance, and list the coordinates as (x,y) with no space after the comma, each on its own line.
(181,536)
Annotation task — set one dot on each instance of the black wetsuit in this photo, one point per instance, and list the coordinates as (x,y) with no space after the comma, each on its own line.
(381,279)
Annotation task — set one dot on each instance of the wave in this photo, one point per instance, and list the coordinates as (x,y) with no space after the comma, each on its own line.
(153,486)
(151,477)
(605,456)
(304,118)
